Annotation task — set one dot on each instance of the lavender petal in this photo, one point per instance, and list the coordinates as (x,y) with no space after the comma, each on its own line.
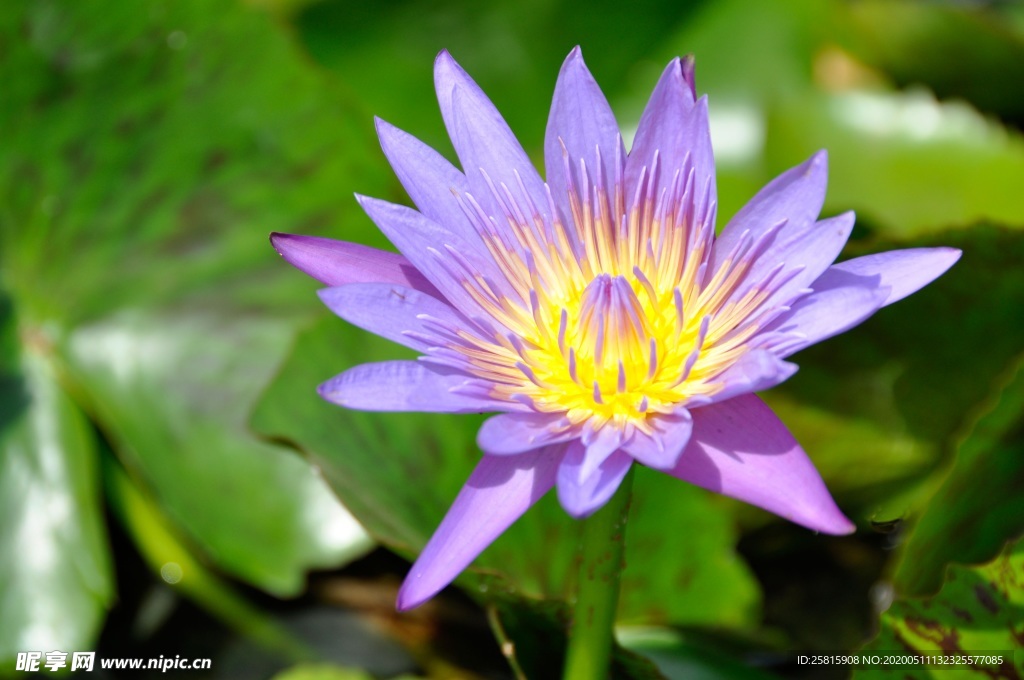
(834,306)
(498,492)
(483,140)
(392,311)
(514,433)
(903,271)
(794,198)
(430,180)
(425,242)
(675,127)
(739,448)
(661,449)
(339,262)
(582,120)
(581,497)
(404,386)
(756,370)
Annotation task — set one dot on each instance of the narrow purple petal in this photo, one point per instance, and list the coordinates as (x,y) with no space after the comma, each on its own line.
(903,271)
(512,433)
(661,449)
(674,126)
(483,140)
(599,446)
(498,492)
(794,197)
(339,262)
(582,120)
(425,243)
(834,306)
(809,250)
(390,311)
(581,497)
(687,66)
(740,448)
(404,386)
(430,180)
(756,370)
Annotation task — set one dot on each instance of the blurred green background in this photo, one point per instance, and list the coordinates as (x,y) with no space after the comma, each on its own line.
(169,479)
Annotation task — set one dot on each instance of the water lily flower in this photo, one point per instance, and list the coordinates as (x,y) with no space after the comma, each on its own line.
(597,312)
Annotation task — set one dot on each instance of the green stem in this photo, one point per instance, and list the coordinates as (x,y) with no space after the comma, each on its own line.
(597,597)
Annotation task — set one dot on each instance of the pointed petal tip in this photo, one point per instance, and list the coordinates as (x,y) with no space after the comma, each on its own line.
(277,239)
(581,498)
(846,528)
(689,75)
(364,201)
(951,255)
(843,221)
(574,61)
(497,494)
(573,510)
(445,66)
(328,393)
(835,523)
(409,596)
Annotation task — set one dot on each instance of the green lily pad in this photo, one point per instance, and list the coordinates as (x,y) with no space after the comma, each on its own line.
(55,574)
(148,151)
(979,611)
(907,163)
(182,571)
(172,393)
(680,658)
(981,503)
(959,52)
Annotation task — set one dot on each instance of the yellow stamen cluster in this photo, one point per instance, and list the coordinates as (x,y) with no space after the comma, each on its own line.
(616,317)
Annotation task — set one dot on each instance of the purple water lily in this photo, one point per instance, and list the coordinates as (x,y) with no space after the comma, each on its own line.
(597,312)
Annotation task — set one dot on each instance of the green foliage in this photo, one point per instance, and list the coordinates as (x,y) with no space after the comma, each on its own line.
(60,584)
(979,611)
(148,330)
(142,166)
(981,502)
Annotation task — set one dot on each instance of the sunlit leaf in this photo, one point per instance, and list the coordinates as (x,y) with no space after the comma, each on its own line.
(959,52)
(681,658)
(908,164)
(979,611)
(148,150)
(981,503)
(172,393)
(162,547)
(55,575)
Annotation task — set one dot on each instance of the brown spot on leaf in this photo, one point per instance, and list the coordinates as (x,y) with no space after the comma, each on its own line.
(986,599)
(963,614)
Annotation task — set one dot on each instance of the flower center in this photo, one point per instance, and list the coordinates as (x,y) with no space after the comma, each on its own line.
(615,316)
(612,332)
(618,351)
